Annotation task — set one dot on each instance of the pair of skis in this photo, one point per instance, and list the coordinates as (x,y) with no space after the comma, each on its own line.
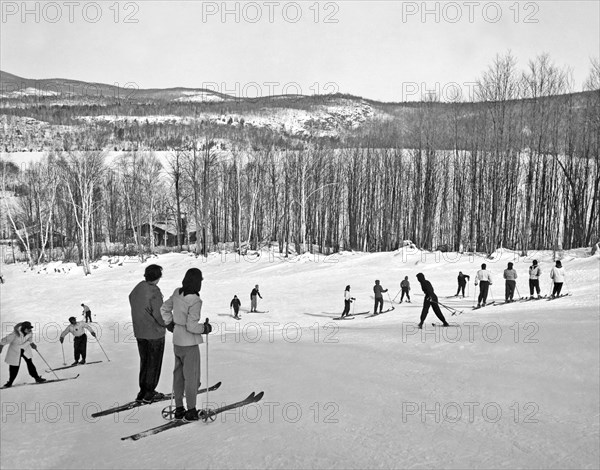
(204,415)
(477,307)
(72,365)
(40,383)
(135,404)
(380,313)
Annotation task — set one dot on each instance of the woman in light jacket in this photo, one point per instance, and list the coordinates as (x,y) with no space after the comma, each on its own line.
(182,312)
(20,342)
(558,276)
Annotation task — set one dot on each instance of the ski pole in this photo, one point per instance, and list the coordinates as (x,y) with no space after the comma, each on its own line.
(353,304)
(102,348)
(207,415)
(453,310)
(397,294)
(62,346)
(47,363)
(518,293)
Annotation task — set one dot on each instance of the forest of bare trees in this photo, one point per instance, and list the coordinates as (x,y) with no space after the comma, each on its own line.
(519,168)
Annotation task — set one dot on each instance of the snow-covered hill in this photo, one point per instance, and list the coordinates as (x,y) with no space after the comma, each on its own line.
(510,386)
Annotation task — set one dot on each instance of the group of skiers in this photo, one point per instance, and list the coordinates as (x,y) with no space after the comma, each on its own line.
(180,314)
(20,345)
(483,278)
(235,303)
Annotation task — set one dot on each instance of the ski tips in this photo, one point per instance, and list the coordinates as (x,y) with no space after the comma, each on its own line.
(259,396)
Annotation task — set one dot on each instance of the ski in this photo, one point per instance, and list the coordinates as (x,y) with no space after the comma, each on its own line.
(135,404)
(72,365)
(344,318)
(359,313)
(41,383)
(483,306)
(376,314)
(558,297)
(252,398)
(442,326)
(529,299)
(259,311)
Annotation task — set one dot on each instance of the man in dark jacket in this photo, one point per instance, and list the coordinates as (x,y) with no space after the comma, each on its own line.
(254,294)
(235,304)
(430,300)
(149,330)
(378,290)
(462,282)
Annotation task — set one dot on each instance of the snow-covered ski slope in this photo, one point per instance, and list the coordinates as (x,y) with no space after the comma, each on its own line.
(514,386)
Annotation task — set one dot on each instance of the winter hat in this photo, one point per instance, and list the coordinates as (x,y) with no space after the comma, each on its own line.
(510,265)
(421,277)
(558,264)
(72,320)
(483,266)
(535,262)
(26,325)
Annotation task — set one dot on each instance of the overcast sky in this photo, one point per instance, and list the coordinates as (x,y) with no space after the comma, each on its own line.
(385,50)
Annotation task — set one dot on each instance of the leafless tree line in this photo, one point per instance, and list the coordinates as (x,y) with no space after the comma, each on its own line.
(519,169)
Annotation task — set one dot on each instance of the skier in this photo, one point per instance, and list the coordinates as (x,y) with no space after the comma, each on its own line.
(405,286)
(20,343)
(484,279)
(347,301)
(87,313)
(462,282)
(511,281)
(77,329)
(558,276)
(430,300)
(236,304)
(149,330)
(253,298)
(378,290)
(534,279)
(183,309)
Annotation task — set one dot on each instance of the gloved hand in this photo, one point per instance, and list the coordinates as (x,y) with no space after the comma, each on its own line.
(1,346)
(171,326)
(93,334)
(62,340)
(33,346)
(207,327)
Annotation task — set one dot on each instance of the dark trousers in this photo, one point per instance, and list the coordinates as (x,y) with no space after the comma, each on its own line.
(14,370)
(151,356)
(461,288)
(557,289)
(509,291)
(80,347)
(346,308)
(88,316)
(378,301)
(534,284)
(404,291)
(484,287)
(236,310)
(433,303)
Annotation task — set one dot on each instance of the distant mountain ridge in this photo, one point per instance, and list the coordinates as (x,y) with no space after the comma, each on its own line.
(58,113)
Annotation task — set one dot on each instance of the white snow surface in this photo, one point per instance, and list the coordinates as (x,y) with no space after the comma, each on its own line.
(513,386)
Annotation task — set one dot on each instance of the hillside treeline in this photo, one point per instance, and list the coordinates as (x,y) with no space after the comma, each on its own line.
(516,173)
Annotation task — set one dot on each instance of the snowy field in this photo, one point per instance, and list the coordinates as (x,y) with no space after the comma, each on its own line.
(513,386)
